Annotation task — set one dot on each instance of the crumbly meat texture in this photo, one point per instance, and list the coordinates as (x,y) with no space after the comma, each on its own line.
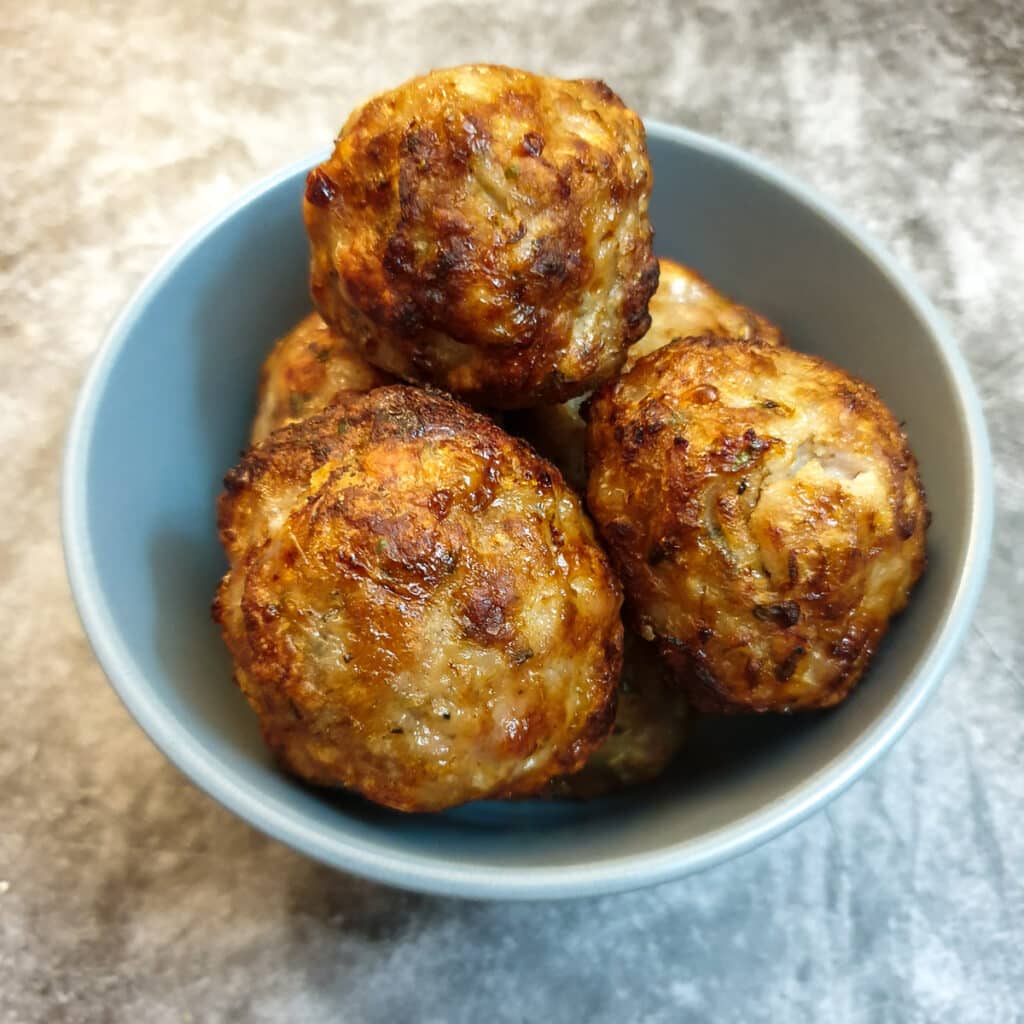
(485,230)
(305,369)
(765,514)
(652,722)
(684,306)
(417,607)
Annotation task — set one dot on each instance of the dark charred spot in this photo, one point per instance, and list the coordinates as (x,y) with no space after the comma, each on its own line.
(557,537)
(550,260)
(397,731)
(845,649)
(769,404)
(376,150)
(522,656)
(754,443)
(704,634)
(785,669)
(517,235)
(662,550)
(704,675)
(784,614)
(483,494)
(742,488)
(645,430)
(399,257)
(533,144)
(852,399)
(420,143)
(906,524)
(792,568)
(741,451)
(623,529)
(649,425)
(321,191)
(319,451)
(604,92)
(544,480)
(408,318)
(635,307)
(440,503)
(454,252)
(487,608)
(237,479)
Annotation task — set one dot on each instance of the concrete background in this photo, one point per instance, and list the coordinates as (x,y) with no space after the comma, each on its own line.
(126,895)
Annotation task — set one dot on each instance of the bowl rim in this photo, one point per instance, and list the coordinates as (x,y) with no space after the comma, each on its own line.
(432,874)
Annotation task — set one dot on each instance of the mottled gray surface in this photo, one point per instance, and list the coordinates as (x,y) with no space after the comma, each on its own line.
(127,895)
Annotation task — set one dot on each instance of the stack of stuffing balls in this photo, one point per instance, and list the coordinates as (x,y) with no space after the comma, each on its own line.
(509,429)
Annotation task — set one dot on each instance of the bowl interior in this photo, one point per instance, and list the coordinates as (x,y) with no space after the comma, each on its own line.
(166,411)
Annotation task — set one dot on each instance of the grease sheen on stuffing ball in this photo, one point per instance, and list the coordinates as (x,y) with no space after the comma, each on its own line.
(765,514)
(416,606)
(485,229)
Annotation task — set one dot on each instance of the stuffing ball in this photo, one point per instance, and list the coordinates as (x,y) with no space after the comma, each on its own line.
(684,306)
(304,371)
(765,514)
(485,230)
(652,721)
(416,606)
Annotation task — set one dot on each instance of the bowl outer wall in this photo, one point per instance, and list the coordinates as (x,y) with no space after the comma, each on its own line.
(437,875)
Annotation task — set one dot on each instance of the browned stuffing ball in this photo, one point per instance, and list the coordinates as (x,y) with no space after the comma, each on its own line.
(765,514)
(306,368)
(416,607)
(485,230)
(684,306)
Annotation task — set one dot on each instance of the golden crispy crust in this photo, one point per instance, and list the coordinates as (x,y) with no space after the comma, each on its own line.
(417,607)
(684,306)
(652,721)
(765,514)
(305,369)
(485,230)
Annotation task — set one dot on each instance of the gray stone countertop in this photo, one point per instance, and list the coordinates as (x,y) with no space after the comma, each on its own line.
(128,895)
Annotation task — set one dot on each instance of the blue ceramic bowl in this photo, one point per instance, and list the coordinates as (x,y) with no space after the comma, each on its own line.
(166,408)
